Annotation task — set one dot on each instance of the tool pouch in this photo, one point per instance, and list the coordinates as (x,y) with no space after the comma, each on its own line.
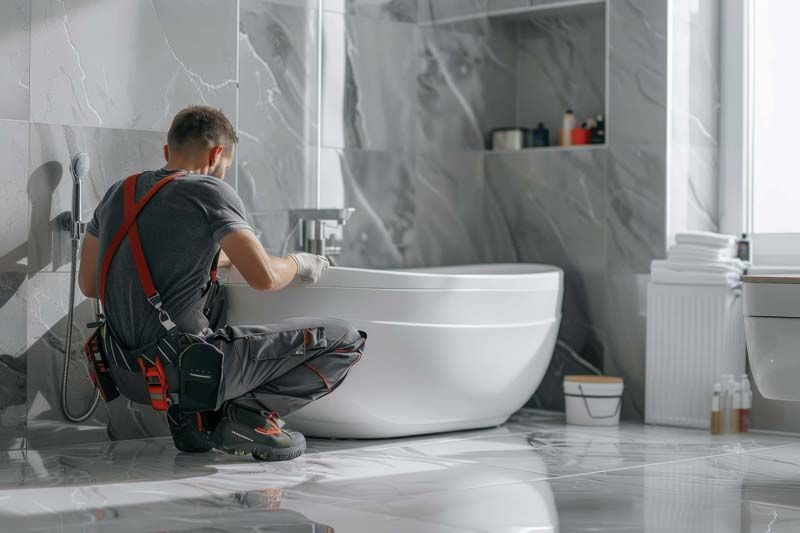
(98,365)
(201,378)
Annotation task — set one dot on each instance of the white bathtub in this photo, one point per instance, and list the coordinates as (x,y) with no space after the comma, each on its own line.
(449,348)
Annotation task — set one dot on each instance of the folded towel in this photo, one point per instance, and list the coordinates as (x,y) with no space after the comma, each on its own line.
(734,266)
(721,251)
(705,238)
(666,277)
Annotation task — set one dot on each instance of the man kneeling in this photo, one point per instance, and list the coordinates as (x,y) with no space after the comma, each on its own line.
(168,228)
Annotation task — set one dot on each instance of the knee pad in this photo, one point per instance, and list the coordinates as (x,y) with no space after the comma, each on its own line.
(201,386)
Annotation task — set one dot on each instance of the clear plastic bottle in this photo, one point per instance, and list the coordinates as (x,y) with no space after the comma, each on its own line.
(716,422)
(747,404)
(736,407)
(725,405)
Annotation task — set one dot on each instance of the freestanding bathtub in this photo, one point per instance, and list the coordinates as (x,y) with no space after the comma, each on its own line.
(449,348)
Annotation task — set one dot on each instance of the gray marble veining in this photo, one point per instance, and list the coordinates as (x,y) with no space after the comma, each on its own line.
(277,75)
(466,84)
(82,70)
(368,90)
(13,207)
(636,195)
(396,10)
(459,216)
(695,116)
(15,26)
(114,155)
(562,65)
(380,186)
(535,191)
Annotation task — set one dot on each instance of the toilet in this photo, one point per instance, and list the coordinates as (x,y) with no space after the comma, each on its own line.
(772,330)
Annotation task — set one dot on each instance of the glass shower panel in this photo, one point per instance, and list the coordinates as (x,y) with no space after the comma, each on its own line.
(278,112)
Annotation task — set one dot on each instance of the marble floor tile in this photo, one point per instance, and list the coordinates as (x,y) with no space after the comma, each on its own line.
(532,474)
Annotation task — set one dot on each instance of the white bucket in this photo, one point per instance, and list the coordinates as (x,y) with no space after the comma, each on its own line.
(593,400)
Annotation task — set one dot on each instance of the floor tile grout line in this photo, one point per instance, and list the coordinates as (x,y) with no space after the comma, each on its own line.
(677,461)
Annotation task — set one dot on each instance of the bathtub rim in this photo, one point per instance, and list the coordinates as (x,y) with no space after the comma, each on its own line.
(488,276)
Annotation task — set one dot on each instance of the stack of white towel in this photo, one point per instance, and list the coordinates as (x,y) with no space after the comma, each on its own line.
(699,258)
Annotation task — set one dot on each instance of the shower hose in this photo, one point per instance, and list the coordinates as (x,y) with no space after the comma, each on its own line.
(68,348)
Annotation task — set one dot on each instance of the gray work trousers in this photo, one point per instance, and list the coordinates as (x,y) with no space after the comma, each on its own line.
(276,367)
(281,367)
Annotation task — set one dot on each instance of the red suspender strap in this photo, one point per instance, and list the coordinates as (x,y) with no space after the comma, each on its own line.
(128,228)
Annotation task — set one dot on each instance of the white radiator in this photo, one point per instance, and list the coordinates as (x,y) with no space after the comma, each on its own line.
(695,333)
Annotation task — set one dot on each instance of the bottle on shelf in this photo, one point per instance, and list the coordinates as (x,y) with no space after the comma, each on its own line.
(541,136)
(598,134)
(567,125)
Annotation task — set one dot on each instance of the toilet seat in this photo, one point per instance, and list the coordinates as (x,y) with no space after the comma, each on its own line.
(772,296)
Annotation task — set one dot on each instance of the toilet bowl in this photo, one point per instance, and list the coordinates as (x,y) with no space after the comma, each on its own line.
(772,331)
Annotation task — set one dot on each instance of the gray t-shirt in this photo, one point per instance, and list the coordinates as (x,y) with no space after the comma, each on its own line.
(180,229)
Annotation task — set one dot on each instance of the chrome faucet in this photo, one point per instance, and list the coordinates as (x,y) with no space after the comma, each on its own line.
(311,225)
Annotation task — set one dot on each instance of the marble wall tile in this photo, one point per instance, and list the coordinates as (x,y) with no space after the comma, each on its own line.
(369,90)
(13,207)
(380,186)
(637,186)
(438,11)
(272,182)
(515,5)
(458,215)
(562,65)
(554,205)
(277,74)
(15,19)
(466,84)
(114,155)
(46,335)
(396,10)
(694,117)
(13,371)
(83,70)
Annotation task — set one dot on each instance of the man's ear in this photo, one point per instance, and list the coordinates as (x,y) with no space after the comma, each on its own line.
(214,155)
(166,152)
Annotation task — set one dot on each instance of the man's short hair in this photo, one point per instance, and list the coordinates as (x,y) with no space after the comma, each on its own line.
(202,126)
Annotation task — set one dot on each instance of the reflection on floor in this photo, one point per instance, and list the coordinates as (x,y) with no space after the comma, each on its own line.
(532,474)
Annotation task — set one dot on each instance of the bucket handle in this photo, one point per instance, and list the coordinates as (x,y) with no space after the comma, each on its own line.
(588,409)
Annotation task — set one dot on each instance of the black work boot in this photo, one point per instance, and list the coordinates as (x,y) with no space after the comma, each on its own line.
(189,431)
(242,431)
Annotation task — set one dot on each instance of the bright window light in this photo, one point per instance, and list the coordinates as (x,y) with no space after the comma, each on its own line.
(776,117)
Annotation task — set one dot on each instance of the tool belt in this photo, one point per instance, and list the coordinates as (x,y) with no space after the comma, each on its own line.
(179,368)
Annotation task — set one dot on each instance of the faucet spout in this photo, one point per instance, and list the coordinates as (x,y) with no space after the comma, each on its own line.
(312,224)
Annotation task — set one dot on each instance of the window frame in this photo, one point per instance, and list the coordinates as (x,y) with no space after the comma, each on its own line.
(736,142)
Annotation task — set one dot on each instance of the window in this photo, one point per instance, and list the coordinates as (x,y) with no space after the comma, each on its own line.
(760,151)
(775,137)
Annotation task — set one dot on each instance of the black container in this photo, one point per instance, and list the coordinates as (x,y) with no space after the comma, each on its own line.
(540,136)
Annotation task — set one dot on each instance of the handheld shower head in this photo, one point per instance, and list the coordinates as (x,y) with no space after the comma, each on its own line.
(79,167)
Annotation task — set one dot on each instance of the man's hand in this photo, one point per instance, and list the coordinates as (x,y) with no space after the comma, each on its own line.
(309,266)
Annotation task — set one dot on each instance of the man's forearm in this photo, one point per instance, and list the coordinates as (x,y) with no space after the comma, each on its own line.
(284,269)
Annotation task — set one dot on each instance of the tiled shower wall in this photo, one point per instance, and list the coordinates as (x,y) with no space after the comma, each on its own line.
(105,78)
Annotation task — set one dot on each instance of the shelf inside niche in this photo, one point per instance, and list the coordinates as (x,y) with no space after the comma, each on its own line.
(545,149)
(519,9)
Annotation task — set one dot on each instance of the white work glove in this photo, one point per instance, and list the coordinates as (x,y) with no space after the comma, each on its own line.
(309,266)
